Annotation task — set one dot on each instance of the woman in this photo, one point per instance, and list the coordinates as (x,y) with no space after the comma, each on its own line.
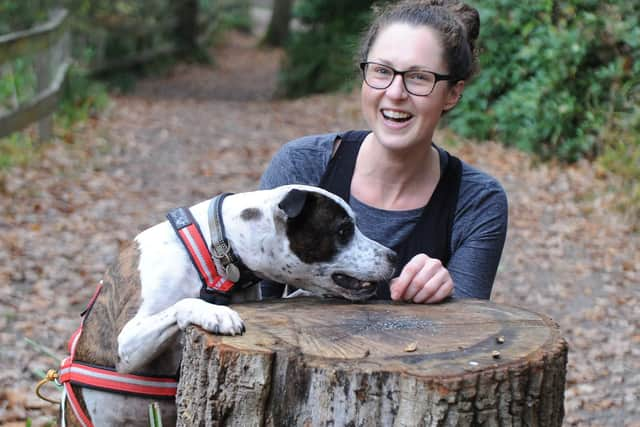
(446,219)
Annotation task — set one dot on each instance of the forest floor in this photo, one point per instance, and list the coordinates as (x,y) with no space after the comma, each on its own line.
(200,130)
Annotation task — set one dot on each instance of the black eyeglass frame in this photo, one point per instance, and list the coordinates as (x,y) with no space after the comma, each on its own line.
(439,77)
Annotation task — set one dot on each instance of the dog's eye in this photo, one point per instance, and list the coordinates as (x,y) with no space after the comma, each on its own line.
(345,232)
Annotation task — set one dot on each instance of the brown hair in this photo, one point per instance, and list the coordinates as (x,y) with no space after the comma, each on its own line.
(457,23)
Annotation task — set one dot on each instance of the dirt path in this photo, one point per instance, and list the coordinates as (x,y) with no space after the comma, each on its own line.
(181,138)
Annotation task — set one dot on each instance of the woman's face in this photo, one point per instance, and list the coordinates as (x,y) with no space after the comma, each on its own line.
(398,119)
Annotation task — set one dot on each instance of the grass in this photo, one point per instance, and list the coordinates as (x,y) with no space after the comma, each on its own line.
(82,99)
(18,149)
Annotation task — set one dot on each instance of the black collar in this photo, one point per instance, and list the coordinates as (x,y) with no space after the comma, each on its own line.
(227,262)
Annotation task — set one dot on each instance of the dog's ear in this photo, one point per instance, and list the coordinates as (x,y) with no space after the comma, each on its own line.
(293,202)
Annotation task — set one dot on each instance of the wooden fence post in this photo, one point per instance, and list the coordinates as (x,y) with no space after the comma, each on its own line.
(43,77)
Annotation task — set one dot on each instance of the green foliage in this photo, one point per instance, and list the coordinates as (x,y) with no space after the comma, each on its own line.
(82,99)
(232,14)
(17,82)
(621,153)
(551,74)
(16,149)
(321,58)
(17,15)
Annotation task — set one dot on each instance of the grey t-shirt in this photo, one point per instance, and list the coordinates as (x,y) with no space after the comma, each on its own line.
(480,221)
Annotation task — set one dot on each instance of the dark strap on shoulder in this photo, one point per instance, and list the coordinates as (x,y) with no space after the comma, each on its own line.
(339,173)
(452,191)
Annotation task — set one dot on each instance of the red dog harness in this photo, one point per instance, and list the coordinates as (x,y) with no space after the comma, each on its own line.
(215,289)
(107,379)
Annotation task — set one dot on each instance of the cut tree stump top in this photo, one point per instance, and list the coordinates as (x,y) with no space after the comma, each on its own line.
(315,362)
(440,340)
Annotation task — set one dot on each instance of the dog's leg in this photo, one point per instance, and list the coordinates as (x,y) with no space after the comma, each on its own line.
(143,338)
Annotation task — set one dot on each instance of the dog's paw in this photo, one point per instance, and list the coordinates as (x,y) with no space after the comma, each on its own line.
(218,319)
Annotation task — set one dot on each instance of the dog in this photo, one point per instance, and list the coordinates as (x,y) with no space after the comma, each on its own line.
(299,235)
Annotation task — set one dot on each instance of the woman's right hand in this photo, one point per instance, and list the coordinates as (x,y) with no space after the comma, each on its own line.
(423,280)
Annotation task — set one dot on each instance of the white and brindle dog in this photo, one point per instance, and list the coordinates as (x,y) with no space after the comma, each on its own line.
(299,235)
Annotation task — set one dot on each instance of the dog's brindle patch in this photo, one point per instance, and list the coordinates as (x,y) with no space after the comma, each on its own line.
(118,302)
(320,230)
(251,214)
(99,340)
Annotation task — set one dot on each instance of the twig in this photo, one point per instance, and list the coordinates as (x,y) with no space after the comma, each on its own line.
(44,350)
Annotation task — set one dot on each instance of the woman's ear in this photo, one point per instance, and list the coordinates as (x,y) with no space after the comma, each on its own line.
(454,95)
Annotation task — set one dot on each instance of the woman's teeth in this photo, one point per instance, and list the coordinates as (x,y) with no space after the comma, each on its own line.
(397,116)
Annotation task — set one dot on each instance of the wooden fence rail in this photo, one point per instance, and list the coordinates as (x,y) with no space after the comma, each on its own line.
(49,46)
(95,33)
(154,39)
(48,43)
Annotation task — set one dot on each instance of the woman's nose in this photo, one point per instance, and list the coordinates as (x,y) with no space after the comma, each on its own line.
(397,89)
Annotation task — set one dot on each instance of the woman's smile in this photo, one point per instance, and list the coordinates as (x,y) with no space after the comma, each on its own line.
(396,115)
(395,119)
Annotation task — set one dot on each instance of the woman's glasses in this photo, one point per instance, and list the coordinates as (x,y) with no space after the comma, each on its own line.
(416,82)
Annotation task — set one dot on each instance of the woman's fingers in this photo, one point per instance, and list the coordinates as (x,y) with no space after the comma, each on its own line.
(437,285)
(423,279)
(445,291)
(400,284)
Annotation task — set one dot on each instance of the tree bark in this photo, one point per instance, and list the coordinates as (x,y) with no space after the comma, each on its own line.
(187,32)
(311,362)
(278,29)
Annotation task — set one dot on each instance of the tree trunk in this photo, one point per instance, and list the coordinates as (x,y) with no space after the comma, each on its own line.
(311,362)
(187,32)
(278,29)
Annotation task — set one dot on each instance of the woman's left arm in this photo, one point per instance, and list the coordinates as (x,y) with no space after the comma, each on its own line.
(478,243)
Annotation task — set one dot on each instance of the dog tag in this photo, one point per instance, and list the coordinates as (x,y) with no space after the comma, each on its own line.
(232,272)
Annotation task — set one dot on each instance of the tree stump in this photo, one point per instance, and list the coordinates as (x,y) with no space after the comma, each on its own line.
(314,362)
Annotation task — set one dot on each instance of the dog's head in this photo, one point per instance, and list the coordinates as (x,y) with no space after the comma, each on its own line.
(306,237)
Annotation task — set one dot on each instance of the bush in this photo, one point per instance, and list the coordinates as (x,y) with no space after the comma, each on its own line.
(621,153)
(22,15)
(321,58)
(552,74)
